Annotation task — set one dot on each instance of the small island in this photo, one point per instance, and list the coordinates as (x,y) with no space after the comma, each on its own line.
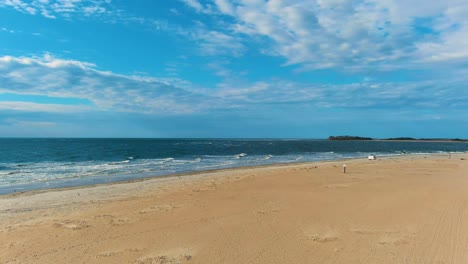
(348,138)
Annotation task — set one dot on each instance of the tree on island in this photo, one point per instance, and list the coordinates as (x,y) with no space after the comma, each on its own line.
(348,138)
(401,138)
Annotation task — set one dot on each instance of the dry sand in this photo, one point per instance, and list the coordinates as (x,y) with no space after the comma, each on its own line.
(396,210)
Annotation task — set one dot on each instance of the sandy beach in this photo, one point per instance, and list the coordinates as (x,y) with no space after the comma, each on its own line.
(411,209)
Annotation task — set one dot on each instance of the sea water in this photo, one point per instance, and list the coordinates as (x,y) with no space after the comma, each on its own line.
(32,164)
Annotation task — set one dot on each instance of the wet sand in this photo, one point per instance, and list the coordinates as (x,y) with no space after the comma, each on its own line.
(411,209)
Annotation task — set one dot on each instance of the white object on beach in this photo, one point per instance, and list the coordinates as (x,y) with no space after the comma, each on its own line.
(344,168)
(372,157)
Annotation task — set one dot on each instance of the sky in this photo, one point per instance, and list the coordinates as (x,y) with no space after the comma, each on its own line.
(233,68)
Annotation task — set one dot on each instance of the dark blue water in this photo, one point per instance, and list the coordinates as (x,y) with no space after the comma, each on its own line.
(29,164)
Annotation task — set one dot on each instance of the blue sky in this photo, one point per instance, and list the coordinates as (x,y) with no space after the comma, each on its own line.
(233,68)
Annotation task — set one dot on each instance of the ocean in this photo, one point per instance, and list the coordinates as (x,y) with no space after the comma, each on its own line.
(34,164)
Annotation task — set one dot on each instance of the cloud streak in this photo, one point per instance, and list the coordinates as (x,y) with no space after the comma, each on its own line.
(53,8)
(346,34)
(108,91)
(39,108)
(113,92)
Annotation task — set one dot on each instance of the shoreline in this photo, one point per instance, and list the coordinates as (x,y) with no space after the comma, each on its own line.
(195,173)
(170,176)
(184,174)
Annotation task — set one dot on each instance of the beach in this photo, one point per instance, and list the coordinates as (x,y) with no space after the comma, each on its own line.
(408,209)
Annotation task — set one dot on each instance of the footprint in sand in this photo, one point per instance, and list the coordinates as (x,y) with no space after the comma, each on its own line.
(396,239)
(108,254)
(387,240)
(159,208)
(386,237)
(72,224)
(337,185)
(176,256)
(164,260)
(200,190)
(8,229)
(104,216)
(371,231)
(321,234)
(119,221)
(268,208)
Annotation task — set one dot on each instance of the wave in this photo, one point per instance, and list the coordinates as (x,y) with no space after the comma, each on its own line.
(299,158)
(241,155)
(64,172)
(53,171)
(119,162)
(7,173)
(262,158)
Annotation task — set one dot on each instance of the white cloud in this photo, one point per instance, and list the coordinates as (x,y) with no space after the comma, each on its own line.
(36,107)
(205,8)
(27,123)
(53,8)
(113,92)
(47,61)
(90,10)
(352,35)
(224,6)
(108,91)
(242,93)
(194,4)
(4,29)
(210,41)
(314,34)
(452,44)
(213,43)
